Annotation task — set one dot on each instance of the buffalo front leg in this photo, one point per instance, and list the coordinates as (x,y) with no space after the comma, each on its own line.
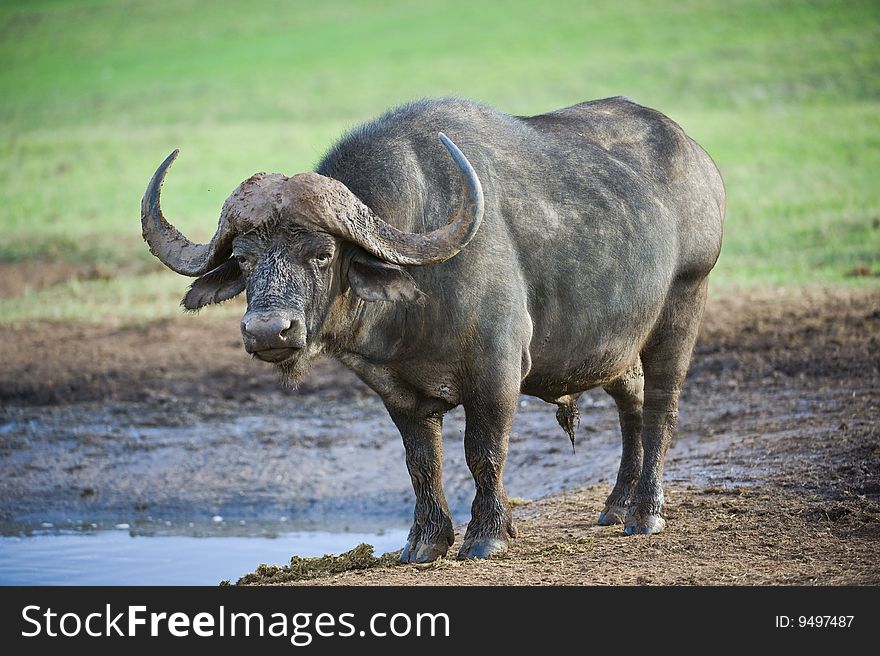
(487,430)
(628,393)
(665,360)
(431,534)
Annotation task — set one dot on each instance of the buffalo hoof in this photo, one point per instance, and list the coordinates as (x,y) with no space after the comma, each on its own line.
(482,548)
(644,524)
(423,552)
(613,514)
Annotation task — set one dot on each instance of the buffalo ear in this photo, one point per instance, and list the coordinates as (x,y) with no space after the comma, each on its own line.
(216,286)
(375,280)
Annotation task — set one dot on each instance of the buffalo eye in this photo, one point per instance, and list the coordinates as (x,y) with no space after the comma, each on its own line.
(245,262)
(323,259)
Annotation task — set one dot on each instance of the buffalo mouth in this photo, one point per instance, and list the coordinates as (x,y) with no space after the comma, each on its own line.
(275,355)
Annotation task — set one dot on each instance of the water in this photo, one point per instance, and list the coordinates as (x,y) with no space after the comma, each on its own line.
(119,558)
(231,478)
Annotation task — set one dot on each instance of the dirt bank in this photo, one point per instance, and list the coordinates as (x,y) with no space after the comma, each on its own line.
(775,476)
(717,536)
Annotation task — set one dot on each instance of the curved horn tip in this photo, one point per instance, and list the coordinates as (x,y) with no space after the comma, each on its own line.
(170,159)
(446,141)
(151,196)
(465,167)
(166,242)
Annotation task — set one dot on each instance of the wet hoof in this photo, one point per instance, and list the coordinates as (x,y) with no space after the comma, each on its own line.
(613,514)
(645,524)
(423,552)
(482,548)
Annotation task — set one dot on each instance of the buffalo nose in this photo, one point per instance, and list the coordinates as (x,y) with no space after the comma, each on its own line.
(262,331)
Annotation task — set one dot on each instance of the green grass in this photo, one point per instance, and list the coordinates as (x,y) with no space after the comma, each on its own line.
(139,297)
(93,94)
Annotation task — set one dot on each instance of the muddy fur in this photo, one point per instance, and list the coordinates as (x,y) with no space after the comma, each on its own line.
(569,418)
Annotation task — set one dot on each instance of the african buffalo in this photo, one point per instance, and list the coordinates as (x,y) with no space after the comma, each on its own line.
(563,252)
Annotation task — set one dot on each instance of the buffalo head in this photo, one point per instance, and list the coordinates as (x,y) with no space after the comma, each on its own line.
(296,245)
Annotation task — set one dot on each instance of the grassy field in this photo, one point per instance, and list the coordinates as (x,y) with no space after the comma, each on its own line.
(94,93)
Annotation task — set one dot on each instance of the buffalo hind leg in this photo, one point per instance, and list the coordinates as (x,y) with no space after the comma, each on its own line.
(487,430)
(431,534)
(665,360)
(628,393)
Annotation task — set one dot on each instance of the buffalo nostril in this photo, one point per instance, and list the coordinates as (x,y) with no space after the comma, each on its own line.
(266,331)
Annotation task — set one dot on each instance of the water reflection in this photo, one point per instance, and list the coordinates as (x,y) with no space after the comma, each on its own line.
(119,558)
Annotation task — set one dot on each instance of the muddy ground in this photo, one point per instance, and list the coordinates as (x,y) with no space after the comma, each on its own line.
(774,478)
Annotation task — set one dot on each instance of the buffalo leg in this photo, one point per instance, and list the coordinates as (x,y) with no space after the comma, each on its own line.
(665,360)
(431,534)
(487,429)
(628,393)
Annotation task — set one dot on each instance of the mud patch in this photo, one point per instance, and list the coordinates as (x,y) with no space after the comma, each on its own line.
(280,462)
(305,569)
